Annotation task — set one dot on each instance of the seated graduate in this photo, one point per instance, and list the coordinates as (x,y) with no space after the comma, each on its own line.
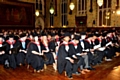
(77,50)
(3,56)
(115,41)
(64,61)
(29,39)
(74,51)
(87,47)
(22,46)
(34,54)
(10,45)
(109,51)
(46,51)
(52,46)
(98,49)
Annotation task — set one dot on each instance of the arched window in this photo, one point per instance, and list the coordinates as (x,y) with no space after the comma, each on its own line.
(104,14)
(40,6)
(81,7)
(64,6)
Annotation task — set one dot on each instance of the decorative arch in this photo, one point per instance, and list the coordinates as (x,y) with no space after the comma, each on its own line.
(39,23)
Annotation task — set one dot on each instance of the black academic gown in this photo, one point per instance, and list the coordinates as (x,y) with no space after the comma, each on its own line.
(103,44)
(62,62)
(110,48)
(28,41)
(98,57)
(11,57)
(35,60)
(52,45)
(88,46)
(20,57)
(74,51)
(49,55)
(3,57)
(115,40)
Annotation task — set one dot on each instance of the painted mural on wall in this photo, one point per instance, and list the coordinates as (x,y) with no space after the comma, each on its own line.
(12,14)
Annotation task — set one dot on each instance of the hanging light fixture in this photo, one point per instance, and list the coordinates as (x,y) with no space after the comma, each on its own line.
(72,6)
(100,2)
(51,10)
(37,13)
(118,12)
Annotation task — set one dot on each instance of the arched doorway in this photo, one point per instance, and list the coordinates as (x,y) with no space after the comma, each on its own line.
(39,23)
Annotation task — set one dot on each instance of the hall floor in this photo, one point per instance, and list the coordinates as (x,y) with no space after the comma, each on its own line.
(104,71)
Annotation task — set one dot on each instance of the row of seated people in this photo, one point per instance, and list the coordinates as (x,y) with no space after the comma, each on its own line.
(69,51)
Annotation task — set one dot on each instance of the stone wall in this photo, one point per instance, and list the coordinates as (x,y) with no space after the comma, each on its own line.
(71,18)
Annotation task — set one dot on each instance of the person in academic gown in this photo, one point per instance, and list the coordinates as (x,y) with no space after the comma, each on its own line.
(46,50)
(28,41)
(87,47)
(109,47)
(52,42)
(34,54)
(76,48)
(115,41)
(64,61)
(10,44)
(98,49)
(22,45)
(52,46)
(3,56)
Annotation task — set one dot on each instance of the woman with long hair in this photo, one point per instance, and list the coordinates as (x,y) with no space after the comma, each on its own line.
(35,54)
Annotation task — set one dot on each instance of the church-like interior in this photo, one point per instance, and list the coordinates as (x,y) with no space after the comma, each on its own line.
(59,39)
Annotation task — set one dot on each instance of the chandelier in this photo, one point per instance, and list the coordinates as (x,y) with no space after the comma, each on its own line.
(100,2)
(118,12)
(37,13)
(72,6)
(51,10)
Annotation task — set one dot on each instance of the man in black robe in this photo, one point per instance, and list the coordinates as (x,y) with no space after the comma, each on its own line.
(11,44)
(22,46)
(77,55)
(64,60)
(109,46)
(87,47)
(3,56)
(98,49)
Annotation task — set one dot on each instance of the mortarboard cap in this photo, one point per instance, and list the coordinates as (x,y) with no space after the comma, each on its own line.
(83,33)
(76,37)
(66,34)
(22,35)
